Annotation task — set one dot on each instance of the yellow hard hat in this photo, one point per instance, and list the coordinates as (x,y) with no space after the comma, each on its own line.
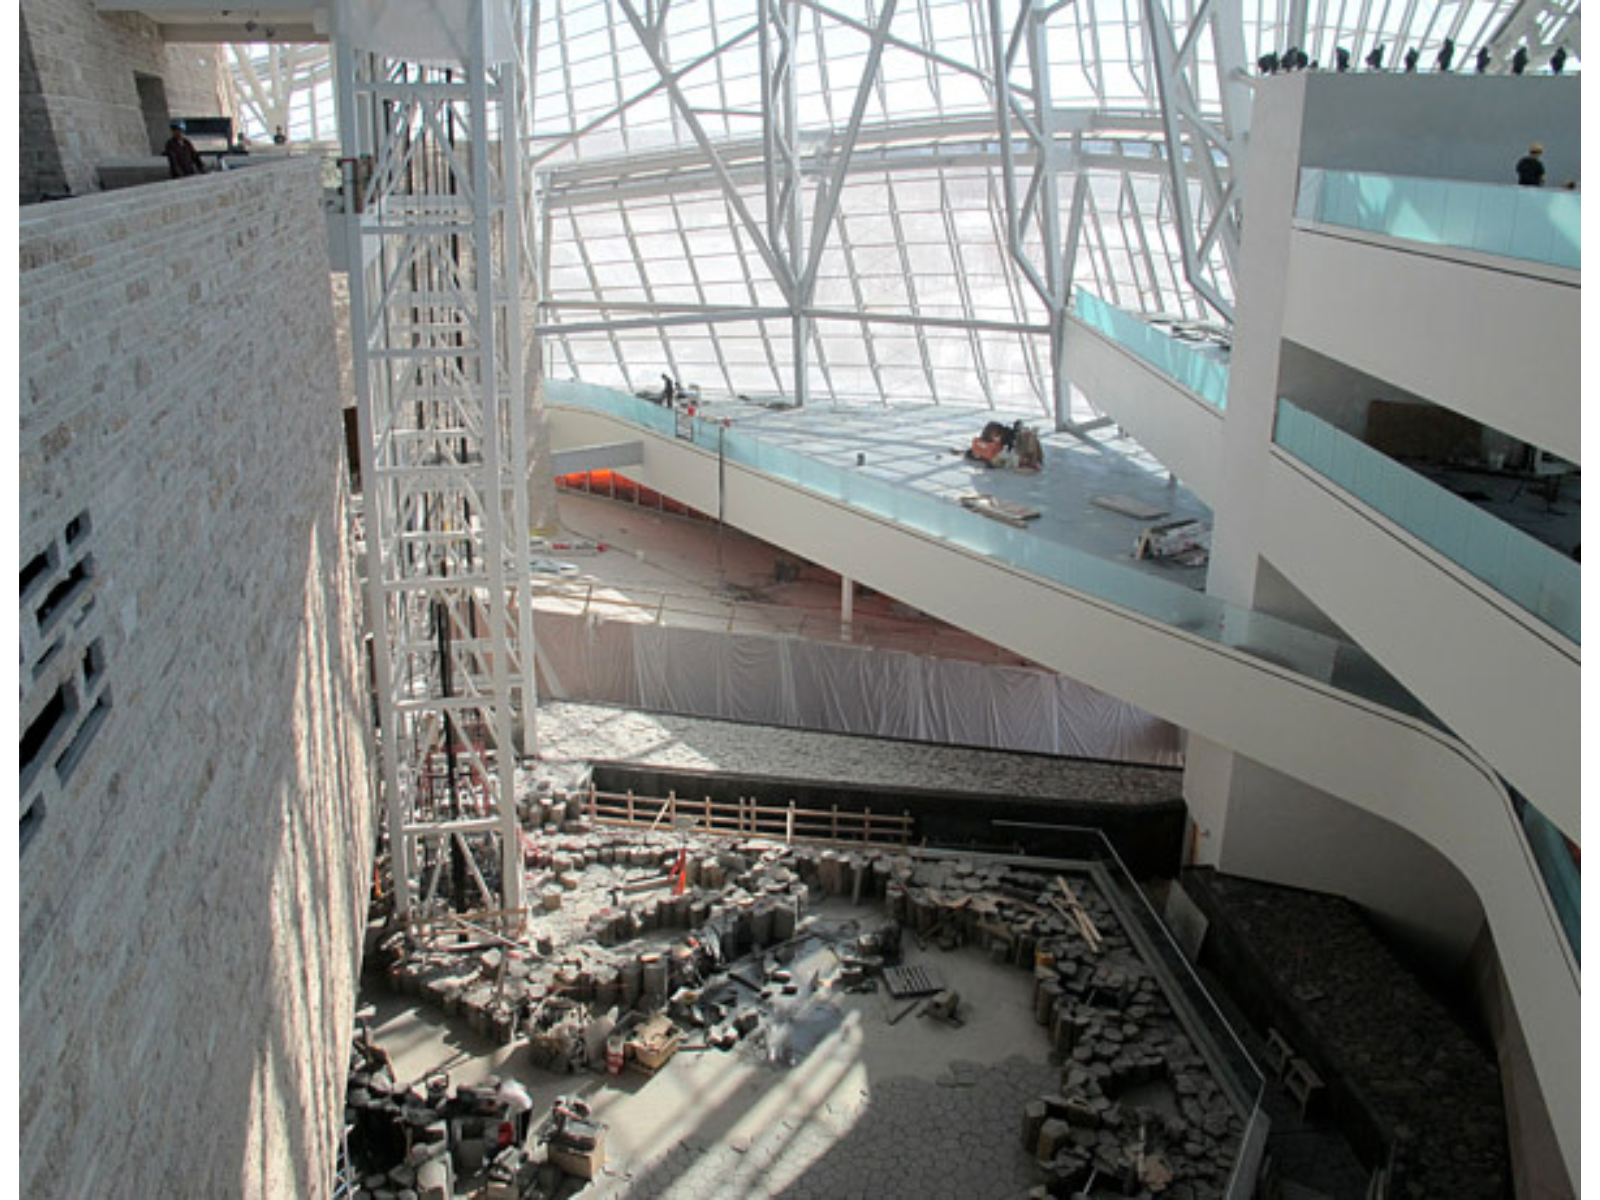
(1536,148)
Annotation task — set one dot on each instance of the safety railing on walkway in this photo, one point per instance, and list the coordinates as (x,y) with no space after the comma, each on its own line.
(1527,572)
(1563,878)
(1542,225)
(1314,655)
(748,817)
(1203,374)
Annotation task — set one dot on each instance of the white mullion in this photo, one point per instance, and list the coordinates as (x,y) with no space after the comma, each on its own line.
(694,272)
(861,306)
(649,291)
(911,294)
(965,291)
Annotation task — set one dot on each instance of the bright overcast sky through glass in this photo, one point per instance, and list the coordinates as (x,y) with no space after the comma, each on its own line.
(642,223)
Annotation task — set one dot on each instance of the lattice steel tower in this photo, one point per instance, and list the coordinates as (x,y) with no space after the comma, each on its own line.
(429,116)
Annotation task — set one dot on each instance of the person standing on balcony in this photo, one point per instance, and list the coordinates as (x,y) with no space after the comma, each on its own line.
(1530,167)
(1519,60)
(1483,59)
(182,158)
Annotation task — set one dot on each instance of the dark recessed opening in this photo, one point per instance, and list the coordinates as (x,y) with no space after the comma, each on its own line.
(73,755)
(94,661)
(77,528)
(41,731)
(64,591)
(31,822)
(35,568)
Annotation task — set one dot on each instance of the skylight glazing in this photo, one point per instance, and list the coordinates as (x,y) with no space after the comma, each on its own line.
(669,248)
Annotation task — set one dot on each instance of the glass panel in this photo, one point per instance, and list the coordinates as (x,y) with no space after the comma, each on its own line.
(1205,376)
(1311,654)
(1526,571)
(1532,224)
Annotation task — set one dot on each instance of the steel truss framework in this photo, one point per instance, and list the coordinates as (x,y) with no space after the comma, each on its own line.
(433,187)
(284,86)
(974,296)
(876,200)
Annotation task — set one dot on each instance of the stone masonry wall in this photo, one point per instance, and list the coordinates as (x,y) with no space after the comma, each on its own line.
(194,895)
(83,65)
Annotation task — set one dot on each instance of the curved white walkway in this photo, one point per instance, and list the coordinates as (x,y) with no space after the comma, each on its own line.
(1342,744)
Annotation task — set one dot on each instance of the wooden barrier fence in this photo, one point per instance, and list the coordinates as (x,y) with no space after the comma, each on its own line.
(747,817)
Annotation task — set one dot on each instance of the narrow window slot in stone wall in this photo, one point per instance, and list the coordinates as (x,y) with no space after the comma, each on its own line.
(64,592)
(79,746)
(37,568)
(45,730)
(66,696)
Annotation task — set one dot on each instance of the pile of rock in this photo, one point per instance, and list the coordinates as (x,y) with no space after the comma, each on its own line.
(1137,1107)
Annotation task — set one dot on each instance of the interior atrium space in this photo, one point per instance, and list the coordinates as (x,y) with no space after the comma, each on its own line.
(798,598)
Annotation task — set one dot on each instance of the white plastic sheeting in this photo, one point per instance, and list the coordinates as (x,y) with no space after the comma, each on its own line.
(795,683)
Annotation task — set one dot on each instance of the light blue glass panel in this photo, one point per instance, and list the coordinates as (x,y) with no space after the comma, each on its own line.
(1561,875)
(1533,224)
(1205,376)
(1532,575)
(1311,654)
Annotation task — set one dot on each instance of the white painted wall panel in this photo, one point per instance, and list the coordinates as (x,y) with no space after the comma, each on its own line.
(1491,342)
(1515,697)
(1183,432)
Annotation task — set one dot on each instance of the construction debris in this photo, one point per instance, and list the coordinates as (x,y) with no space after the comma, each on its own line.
(1185,542)
(995,509)
(665,943)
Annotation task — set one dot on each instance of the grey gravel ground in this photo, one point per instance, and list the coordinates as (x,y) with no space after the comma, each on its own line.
(577,733)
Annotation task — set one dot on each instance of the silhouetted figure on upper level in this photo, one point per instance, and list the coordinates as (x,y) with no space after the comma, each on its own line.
(1268,64)
(1519,60)
(1374,58)
(1483,59)
(1558,60)
(1411,60)
(1446,56)
(1341,58)
(1530,167)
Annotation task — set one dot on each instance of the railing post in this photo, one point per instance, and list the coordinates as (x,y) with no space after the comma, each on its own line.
(834,828)
(788,828)
(630,806)
(866,825)
(672,806)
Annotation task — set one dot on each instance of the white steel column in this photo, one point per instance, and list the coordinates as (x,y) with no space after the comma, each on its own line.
(433,212)
(1213,150)
(1032,109)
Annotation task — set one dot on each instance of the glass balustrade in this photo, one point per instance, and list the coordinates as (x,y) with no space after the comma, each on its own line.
(1537,578)
(1535,224)
(1562,876)
(1202,374)
(1260,635)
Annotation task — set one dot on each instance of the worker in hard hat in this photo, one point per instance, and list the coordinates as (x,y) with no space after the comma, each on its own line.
(1530,167)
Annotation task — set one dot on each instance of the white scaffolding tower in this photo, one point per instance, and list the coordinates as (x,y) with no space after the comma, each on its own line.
(428,115)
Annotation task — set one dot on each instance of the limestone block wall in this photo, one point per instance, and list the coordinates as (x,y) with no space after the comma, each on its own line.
(82,64)
(193,895)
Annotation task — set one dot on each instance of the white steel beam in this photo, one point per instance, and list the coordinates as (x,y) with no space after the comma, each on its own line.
(432,173)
